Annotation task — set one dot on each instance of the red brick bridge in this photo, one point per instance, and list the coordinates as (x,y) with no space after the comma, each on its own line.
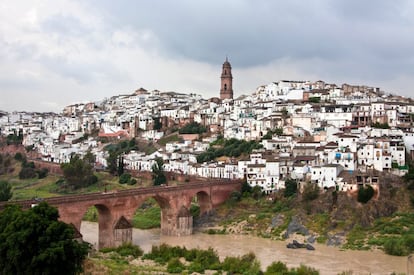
(116,209)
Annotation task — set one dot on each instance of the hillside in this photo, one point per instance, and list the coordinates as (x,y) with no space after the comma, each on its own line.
(386,222)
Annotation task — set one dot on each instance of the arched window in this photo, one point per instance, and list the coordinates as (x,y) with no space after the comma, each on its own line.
(225,87)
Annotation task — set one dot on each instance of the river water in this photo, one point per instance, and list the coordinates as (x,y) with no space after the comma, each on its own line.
(328,260)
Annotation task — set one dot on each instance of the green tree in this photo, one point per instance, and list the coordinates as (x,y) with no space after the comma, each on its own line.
(310,192)
(365,193)
(257,192)
(315,99)
(19,156)
(16,138)
(157,123)
(5,191)
(112,161)
(276,268)
(380,125)
(35,242)
(27,173)
(158,176)
(120,169)
(124,178)
(291,187)
(90,158)
(5,164)
(193,128)
(78,173)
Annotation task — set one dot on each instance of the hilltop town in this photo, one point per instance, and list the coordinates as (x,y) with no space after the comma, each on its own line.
(334,136)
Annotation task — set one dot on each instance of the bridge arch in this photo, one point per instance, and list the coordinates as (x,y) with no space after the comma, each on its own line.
(204,201)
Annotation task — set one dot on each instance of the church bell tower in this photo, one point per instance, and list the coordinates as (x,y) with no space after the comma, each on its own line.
(226,90)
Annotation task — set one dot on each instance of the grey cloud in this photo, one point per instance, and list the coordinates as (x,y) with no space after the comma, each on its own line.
(65,25)
(254,32)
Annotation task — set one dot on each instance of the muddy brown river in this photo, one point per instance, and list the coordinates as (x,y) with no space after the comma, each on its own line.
(328,260)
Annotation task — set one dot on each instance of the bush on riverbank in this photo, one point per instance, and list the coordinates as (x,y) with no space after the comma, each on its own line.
(126,249)
(199,261)
(395,235)
(178,260)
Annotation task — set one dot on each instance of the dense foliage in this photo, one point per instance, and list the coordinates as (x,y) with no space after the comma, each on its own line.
(394,234)
(15,139)
(157,123)
(310,192)
(365,193)
(5,164)
(291,187)
(126,249)
(35,242)
(193,128)
(201,260)
(246,264)
(115,160)
(315,99)
(380,125)
(228,147)
(29,171)
(126,178)
(158,176)
(5,191)
(78,173)
(270,133)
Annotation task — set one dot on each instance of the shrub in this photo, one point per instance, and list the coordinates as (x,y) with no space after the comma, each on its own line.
(304,270)
(19,156)
(175,266)
(365,193)
(235,196)
(124,250)
(257,192)
(42,173)
(396,247)
(129,249)
(276,268)
(310,192)
(193,128)
(124,178)
(5,190)
(246,264)
(291,187)
(208,259)
(27,173)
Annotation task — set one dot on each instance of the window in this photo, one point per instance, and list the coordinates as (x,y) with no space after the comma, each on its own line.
(225,87)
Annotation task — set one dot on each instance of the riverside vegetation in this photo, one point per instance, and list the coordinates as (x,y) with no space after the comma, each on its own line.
(165,259)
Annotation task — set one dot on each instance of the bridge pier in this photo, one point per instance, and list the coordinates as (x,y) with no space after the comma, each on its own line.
(176,223)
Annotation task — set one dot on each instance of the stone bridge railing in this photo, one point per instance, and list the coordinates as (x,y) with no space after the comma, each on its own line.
(120,193)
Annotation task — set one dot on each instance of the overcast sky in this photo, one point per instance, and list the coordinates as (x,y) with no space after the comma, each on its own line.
(55,53)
